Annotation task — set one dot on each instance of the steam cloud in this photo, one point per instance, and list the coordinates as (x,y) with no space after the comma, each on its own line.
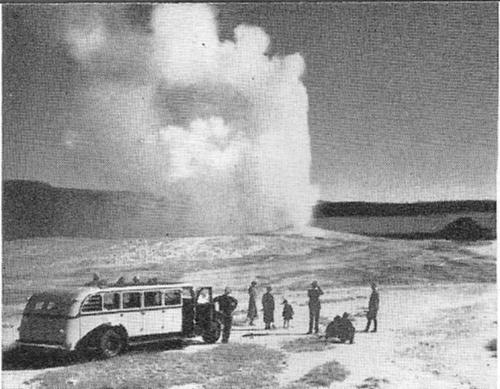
(219,128)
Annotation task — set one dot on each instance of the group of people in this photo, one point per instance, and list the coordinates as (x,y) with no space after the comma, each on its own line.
(99,282)
(268,308)
(340,327)
(227,304)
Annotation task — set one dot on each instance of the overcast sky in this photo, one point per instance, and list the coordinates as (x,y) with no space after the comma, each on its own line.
(402,97)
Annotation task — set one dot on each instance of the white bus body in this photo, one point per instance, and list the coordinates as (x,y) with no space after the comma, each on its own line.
(111,317)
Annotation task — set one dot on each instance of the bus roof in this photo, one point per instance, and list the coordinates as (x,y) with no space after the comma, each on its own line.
(79,293)
(143,286)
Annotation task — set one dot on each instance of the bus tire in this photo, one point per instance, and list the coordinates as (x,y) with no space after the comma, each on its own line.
(111,343)
(212,333)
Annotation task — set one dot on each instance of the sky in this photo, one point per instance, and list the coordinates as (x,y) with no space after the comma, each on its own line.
(402,97)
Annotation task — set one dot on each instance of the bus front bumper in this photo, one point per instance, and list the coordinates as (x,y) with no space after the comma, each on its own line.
(42,345)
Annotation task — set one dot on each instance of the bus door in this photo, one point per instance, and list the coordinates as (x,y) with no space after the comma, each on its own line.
(204,306)
(154,312)
(188,311)
(133,314)
(172,318)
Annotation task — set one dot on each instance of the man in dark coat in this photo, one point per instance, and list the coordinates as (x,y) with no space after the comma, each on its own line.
(252,302)
(268,305)
(372,309)
(227,305)
(314,306)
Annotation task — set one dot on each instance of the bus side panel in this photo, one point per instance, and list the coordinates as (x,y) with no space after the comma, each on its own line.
(90,322)
(134,321)
(172,320)
(154,321)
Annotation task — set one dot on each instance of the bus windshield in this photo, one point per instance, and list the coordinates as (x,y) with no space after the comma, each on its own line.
(49,304)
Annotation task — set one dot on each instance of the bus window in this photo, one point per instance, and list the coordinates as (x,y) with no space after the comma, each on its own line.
(50,305)
(92,303)
(172,297)
(152,299)
(111,301)
(39,305)
(203,296)
(131,300)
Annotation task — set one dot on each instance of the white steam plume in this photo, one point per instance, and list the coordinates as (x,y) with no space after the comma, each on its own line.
(175,111)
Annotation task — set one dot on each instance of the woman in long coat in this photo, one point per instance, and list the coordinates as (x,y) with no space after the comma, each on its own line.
(268,305)
(252,302)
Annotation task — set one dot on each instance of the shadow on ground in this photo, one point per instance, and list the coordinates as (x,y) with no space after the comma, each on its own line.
(27,359)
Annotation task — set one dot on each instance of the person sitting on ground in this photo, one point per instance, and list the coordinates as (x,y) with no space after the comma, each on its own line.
(287,314)
(120,281)
(136,280)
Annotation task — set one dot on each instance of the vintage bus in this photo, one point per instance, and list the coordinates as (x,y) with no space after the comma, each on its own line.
(110,318)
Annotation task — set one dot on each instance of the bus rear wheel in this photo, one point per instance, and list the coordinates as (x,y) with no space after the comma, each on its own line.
(212,333)
(111,343)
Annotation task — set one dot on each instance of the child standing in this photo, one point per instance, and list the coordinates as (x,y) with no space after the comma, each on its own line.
(287,314)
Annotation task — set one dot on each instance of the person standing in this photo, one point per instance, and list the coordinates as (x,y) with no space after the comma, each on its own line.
(252,303)
(372,309)
(287,314)
(227,305)
(314,307)
(268,305)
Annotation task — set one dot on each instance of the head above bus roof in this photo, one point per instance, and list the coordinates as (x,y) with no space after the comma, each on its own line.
(140,286)
(80,293)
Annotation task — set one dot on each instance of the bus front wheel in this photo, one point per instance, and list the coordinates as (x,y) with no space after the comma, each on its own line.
(111,343)
(212,333)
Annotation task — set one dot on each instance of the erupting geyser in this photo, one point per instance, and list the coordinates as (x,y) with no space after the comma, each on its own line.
(218,128)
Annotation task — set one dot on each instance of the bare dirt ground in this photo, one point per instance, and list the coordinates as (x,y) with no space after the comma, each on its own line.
(438,302)
(420,344)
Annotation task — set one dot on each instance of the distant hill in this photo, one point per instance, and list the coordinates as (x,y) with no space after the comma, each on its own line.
(336,209)
(461,229)
(35,209)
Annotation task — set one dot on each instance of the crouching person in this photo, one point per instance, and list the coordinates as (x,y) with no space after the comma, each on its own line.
(227,305)
(341,328)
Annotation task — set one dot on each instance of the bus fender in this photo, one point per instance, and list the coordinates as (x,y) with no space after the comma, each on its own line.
(91,339)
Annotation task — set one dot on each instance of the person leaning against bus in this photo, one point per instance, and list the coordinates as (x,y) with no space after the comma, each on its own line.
(227,305)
